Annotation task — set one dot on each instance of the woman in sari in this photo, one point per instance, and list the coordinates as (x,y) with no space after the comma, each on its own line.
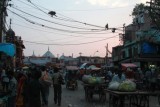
(20,94)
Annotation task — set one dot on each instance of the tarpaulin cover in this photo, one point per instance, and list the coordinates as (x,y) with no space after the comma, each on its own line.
(83,66)
(8,48)
(72,68)
(129,65)
(93,67)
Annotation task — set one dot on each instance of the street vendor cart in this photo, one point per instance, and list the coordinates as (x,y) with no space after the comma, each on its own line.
(94,86)
(91,89)
(137,98)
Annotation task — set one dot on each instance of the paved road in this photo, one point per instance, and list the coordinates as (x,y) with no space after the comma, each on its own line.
(76,99)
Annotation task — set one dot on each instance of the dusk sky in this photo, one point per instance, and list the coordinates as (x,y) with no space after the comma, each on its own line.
(79,25)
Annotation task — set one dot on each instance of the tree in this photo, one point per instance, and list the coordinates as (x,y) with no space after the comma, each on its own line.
(138,9)
(154,11)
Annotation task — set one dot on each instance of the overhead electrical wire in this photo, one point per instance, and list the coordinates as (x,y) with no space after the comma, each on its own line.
(72,20)
(70,44)
(54,22)
(35,7)
(63,30)
(59,33)
(38,7)
(60,29)
(68,19)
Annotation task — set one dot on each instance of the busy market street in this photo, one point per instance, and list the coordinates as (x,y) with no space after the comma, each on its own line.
(79,53)
(90,91)
(76,98)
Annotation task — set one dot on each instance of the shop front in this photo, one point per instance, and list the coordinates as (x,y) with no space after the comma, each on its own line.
(7,55)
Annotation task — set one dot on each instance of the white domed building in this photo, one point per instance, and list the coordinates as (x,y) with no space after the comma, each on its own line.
(48,54)
(47,58)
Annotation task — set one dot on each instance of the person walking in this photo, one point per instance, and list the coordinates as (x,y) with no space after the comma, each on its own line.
(20,91)
(35,89)
(57,82)
(5,80)
(45,81)
(12,89)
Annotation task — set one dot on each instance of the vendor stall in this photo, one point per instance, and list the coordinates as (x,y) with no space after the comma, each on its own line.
(137,98)
(94,86)
(92,89)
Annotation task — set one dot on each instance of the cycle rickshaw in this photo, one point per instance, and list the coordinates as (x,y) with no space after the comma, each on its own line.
(71,77)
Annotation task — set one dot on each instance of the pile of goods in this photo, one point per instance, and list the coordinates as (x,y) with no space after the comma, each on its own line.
(113,85)
(126,86)
(92,80)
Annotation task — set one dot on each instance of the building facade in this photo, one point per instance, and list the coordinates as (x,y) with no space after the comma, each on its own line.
(141,43)
(48,59)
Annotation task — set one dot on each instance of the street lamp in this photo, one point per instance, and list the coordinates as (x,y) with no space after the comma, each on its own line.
(95,52)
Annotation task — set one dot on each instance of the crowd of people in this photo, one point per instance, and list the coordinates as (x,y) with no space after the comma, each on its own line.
(31,87)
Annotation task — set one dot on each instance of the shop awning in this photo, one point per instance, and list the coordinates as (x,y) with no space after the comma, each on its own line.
(129,65)
(8,49)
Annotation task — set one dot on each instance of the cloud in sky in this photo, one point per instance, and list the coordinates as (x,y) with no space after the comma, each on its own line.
(144,1)
(99,2)
(77,2)
(115,3)
(119,4)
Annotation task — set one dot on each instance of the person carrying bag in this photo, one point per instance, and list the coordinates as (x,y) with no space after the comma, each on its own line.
(57,82)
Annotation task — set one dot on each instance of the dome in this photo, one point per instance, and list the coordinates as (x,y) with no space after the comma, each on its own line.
(48,54)
(62,57)
(10,32)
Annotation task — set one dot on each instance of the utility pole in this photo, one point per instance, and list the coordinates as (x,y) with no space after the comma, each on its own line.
(106,59)
(3,4)
(122,36)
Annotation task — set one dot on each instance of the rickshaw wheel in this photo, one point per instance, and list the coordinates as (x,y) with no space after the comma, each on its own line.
(67,85)
(102,97)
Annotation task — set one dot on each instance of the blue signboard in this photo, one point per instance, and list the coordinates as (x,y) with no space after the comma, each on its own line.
(148,48)
(8,49)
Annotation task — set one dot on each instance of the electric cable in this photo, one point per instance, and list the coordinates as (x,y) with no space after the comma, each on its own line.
(71,44)
(59,33)
(52,21)
(67,19)
(63,30)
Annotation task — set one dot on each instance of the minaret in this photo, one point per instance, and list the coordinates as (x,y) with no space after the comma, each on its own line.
(48,48)
(33,54)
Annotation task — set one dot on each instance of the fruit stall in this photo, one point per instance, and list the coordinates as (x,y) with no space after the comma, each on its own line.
(126,94)
(94,86)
